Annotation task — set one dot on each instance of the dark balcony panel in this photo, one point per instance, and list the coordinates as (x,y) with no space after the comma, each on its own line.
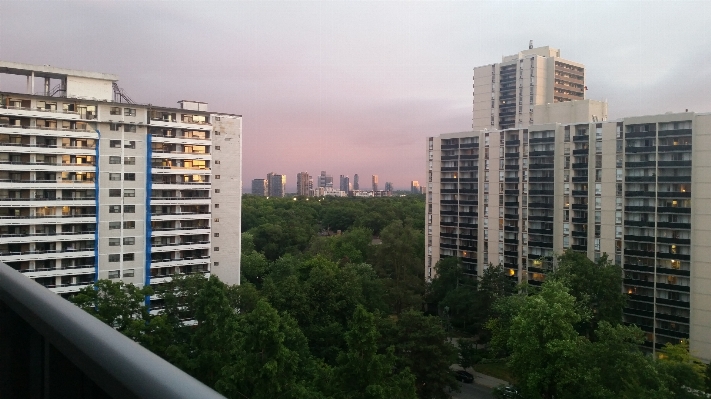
(580,193)
(511,203)
(537,218)
(674,194)
(671,333)
(641,164)
(449,146)
(469,225)
(448,246)
(467,247)
(535,283)
(541,179)
(675,148)
(639,252)
(674,179)
(667,255)
(541,140)
(672,225)
(641,298)
(677,319)
(513,229)
(643,179)
(513,216)
(449,213)
(533,153)
(632,135)
(512,155)
(468,202)
(547,232)
(449,202)
(469,168)
(642,194)
(580,179)
(672,240)
(450,168)
(581,165)
(468,191)
(668,164)
(641,150)
(511,192)
(671,302)
(448,191)
(639,209)
(449,157)
(638,312)
(674,272)
(677,132)
(511,241)
(579,220)
(583,248)
(639,268)
(512,142)
(638,283)
(512,180)
(448,235)
(540,205)
(469,179)
(541,166)
(639,223)
(629,237)
(449,224)
(673,209)
(674,287)
(512,167)
(581,139)
(581,151)
(467,157)
(582,234)
(540,244)
(580,206)
(448,179)
(472,237)
(468,145)
(541,192)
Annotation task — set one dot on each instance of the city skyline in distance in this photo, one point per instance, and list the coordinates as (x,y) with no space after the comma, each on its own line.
(356,87)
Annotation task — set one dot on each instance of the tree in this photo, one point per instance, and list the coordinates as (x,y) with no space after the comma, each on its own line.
(362,372)
(683,370)
(399,261)
(422,346)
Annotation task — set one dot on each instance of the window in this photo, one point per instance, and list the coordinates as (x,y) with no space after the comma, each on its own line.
(217,190)
(129,144)
(129,176)
(129,160)
(115,192)
(114,273)
(114,208)
(114,127)
(129,209)
(115,143)
(129,111)
(114,242)
(128,257)
(129,240)
(217,206)
(129,128)
(216,220)
(217,234)
(217,177)
(114,257)
(217,148)
(129,192)
(114,225)
(115,111)
(217,162)
(129,225)
(217,249)
(115,160)
(128,273)
(216,263)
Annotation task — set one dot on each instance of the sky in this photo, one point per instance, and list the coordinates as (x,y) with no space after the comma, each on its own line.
(357,87)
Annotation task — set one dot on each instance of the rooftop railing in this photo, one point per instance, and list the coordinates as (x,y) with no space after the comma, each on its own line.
(53,349)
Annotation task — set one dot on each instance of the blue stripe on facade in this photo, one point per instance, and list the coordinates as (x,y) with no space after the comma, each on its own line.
(96,211)
(149,229)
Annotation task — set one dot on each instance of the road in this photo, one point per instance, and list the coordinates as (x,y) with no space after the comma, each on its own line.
(473,391)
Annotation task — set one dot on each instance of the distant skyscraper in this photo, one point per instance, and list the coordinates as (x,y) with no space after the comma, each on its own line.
(277,185)
(389,186)
(325,180)
(356,184)
(415,187)
(345,183)
(304,184)
(375,182)
(260,187)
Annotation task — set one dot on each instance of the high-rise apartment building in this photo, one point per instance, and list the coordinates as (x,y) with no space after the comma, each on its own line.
(260,187)
(415,187)
(374,181)
(277,185)
(324,180)
(99,187)
(389,186)
(356,182)
(304,184)
(345,183)
(506,92)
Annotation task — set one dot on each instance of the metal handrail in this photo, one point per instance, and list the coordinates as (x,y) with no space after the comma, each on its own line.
(116,364)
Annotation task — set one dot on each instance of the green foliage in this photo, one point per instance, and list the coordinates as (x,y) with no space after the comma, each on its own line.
(469,355)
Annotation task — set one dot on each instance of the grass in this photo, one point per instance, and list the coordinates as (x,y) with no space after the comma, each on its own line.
(497,370)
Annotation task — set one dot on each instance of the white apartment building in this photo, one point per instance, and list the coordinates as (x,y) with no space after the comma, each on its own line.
(506,92)
(95,186)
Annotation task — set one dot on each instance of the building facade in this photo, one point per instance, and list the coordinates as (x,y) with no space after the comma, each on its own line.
(277,185)
(374,181)
(324,180)
(345,183)
(389,186)
(506,92)
(304,184)
(99,187)
(356,182)
(260,187)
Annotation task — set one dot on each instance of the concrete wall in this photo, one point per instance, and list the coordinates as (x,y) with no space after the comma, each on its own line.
(79,87)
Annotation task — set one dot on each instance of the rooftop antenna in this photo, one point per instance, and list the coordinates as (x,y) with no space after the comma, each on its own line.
(530,44)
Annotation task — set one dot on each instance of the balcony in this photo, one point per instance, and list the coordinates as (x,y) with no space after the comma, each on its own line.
(541,140)
(675,148)
(581,151)
(90,358)
(581,138)
(641,149)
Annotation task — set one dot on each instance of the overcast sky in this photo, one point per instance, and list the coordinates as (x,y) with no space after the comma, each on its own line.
(356,87)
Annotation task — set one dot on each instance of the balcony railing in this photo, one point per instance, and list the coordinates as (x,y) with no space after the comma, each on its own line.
(52,349)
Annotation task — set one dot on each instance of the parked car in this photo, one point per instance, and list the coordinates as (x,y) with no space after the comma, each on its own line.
(506,392)
(464,376)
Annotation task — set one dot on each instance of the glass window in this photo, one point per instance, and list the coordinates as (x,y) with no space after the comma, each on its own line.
(115,143)
(129,111)
(129,240)
(114,225)
(128,257)
(114,192)
(114,127)
(114,257)
(128,273)
(115,111)
(129,225)
(114,273)
(129,209)
(129,128)
(129,160)
(129,176)
(129,192)
(114,176)
(129,144)
(114,160)
(114,242)
(114,208)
